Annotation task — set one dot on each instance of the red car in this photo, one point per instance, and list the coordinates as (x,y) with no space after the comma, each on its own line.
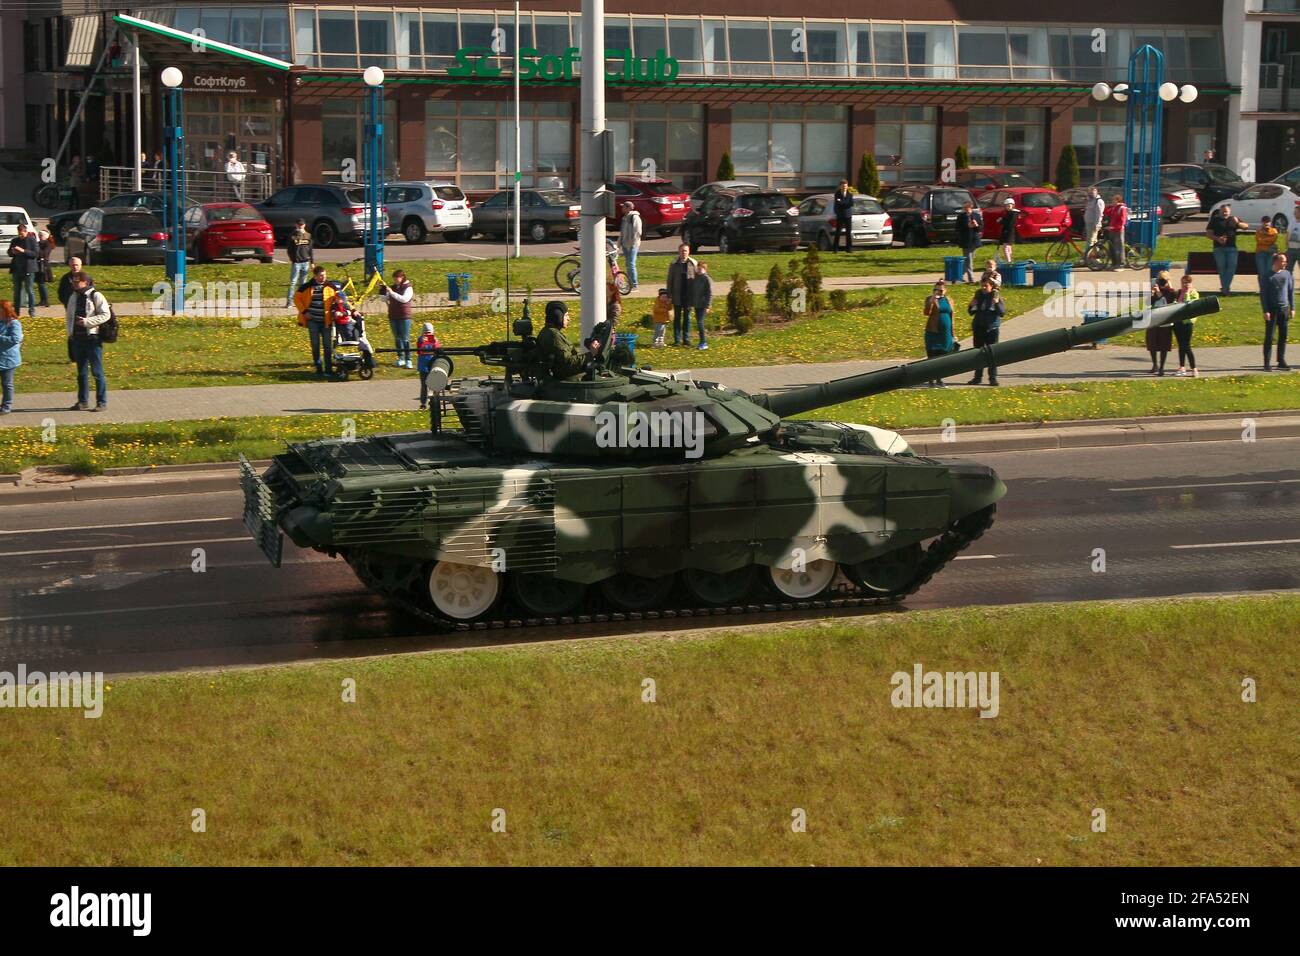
(228,230)
(981,180)
(1043,213)
(661,204)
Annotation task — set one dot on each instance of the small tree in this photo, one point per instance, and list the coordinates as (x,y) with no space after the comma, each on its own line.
(1067,168)
(961,157)
(725,169)
(779,292)
(868,176)
(811,273)
(740,305)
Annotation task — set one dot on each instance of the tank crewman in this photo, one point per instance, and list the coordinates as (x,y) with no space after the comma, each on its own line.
(553,355)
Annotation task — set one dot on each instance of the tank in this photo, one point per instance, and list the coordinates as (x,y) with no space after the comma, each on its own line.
(626,491)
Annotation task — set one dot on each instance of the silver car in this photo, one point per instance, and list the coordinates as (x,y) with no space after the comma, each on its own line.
(417,209)
(871,225)
(1176,201)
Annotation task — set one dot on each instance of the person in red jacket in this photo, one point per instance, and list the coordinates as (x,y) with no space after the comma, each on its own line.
(426,348)
(1116,223)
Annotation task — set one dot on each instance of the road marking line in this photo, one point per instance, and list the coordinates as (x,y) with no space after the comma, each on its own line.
(1235,544)
(1211,484)
(113,610)
(977,557)
(105,527)
(122,547)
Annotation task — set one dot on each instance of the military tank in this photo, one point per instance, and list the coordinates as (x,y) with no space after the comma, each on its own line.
(630,492)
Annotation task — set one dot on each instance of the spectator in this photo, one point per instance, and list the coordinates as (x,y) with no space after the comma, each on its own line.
(24,260)
(1265,249)
(1293,246)
(301,253)
(613,303)
(1009,218)
(1222,231)
(44,273)
(991,274)
(235,173)
(1183,330)
(701,301)
(938,325)
(314,300)
(1278,311)
(1116,224)
(629,237)
(426,347)
(681,273)
(842,203)
(970,229)
(11,338)
(400,296)
(67,283)
(663,309)
(86,311)
(157,168)
(1161,338)
(987,308)
(1093,212)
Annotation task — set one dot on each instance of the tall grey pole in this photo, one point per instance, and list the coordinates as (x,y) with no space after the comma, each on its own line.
(519,206)
(135,63)
(592,143)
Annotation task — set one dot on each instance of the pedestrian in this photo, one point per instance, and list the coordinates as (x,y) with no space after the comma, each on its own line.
(1278,312)
(235,173)
(157,169)
(44,272)
(77,177)
(67,284)
(301,253)
(86,311)
(1293,246)
(1183,330)
(1093,211)
(1160,339)
(938,325)
(987,308)
(1010,216)
(991,274)
(24,259)
(629,237)
(613,303)
(1222,231)
(400,295)
(1116,225)
(426,348)
(1207,156)
(970,229)
(11,338)
(314,300)
(701,301)
(681,273)
(663,310)
(842,203)
(1265,249)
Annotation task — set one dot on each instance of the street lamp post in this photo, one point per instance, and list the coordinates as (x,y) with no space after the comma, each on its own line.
(518,156)
(174,183)
(594,195)
(373,150)
(1145,95)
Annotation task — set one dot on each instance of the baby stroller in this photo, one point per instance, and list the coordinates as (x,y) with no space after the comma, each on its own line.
(352,351)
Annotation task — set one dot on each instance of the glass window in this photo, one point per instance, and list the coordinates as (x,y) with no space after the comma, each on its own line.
(827,49)
(338,39)
(551,34)
(304,37)
(246,28)
(887,39)
(930,52)
(440,41)
(471,143)
(715,48)
(983,52)
(684,45)
(649,37)
(618,33)
(408,41)
(860,41)
(751,52)
(375,38)
(525,32)
(906,144)
(475,29)
(187,18)
(788,46)
(215,22)
(275,33)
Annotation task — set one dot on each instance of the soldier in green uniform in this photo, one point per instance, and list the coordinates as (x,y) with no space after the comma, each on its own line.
(554,356)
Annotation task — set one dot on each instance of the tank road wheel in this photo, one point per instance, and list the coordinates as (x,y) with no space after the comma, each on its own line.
(890,572)
(545,596)
(631,592)
(720,588)
(803,585)
(463,592)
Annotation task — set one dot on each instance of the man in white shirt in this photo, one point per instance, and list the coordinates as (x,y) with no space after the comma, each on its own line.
(629,237)
(1092,213)
(235,172)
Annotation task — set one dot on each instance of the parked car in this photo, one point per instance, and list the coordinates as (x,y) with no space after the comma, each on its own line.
(117,236)
(925,214)
(152,202)
(546,213)
(1210,181)
(708,189)
(871,225)
(1273,200)
(418,208)
(1176,201)
(742,221)
(1076,201)
(1043,213)
(228,230)
(661,204)
(11,217)
(1290,179)
(333,212)
(981,180)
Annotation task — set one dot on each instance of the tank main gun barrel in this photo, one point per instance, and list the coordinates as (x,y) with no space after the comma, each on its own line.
(809,397)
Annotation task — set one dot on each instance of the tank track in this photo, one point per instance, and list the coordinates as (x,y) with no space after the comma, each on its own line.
(941,551)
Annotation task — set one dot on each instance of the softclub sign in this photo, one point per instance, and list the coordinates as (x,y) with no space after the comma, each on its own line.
(476,62)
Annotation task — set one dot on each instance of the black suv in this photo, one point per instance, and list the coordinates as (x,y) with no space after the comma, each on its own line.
(1211,181)
(738,221)
(925,214)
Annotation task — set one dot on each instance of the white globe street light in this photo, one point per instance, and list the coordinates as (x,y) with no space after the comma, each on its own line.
(373,76)
(1120,92)
(171,77)
(1169,92)
(1188,93)
(1100,92)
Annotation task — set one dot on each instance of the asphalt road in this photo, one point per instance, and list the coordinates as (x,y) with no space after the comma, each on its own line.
(110,585)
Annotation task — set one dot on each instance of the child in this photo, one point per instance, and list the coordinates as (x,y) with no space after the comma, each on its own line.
(663,314)
(426,348)
(1183,332)
(701,300)
(991,274)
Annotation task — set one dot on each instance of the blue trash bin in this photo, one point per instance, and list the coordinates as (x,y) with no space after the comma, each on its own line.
(1062,273)
(458,287)
(1014,273)
(1159,265)
(628,339)
(954,267)
(1096,317)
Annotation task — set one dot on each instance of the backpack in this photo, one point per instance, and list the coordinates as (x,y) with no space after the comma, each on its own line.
(108,331)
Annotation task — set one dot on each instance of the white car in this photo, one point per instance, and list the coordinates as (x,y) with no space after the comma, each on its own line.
(871,225)
(417,209)
(1264,200)
(10,218)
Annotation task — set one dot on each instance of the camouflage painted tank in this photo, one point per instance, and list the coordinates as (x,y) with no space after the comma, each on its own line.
(630,491)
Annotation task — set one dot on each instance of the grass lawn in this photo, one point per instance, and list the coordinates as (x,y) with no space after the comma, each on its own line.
(91,448)
(1239,321)
(1134,709)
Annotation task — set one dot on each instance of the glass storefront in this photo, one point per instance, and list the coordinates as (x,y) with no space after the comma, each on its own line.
(342,134)
(217,123)
(1007,136)
(652,138)
(1098,138)
(790,147)
(907,144)
(471,143)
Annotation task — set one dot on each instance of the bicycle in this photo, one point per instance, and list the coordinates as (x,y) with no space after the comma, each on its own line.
(568,273)
(56,196)
(1099,256)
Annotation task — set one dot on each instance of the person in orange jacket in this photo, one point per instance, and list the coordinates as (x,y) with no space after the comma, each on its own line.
(315,303)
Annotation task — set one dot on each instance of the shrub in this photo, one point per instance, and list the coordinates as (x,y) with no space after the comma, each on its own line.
(868,176)
(740,304)
(743,323)
(839,300)
(811,274)
(725,169)
(960,157)
(1067,168)
(777,291)
(646,321)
